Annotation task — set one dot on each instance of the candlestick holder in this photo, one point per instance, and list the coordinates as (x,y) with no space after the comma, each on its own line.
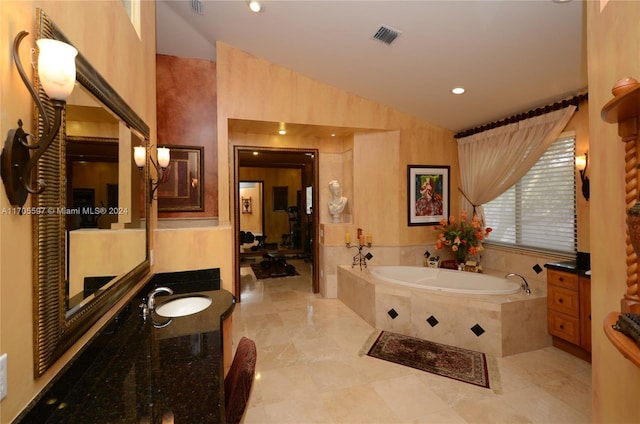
(360,258)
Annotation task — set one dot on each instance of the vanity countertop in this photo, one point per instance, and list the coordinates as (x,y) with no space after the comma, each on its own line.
(145,371)
(568,266)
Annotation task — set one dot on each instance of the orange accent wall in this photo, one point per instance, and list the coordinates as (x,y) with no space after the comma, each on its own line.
(186,105)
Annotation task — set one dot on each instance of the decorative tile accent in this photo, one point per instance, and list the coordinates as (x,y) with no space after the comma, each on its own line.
(392,313)
(537,268)
(477,330)
(432,321)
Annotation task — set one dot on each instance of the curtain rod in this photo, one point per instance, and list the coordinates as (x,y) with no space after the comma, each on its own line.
(526,115)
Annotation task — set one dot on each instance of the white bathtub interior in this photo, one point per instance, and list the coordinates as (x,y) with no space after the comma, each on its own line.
(445,280)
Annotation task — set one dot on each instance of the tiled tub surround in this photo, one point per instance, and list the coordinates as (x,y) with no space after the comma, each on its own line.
(135,372)
(498,325)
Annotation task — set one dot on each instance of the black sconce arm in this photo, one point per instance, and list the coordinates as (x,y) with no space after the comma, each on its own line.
(585,180)
(17,161)
(27,83)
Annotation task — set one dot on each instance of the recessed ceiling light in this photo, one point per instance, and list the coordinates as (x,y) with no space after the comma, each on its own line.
(458,90)
(255,153)
(255,6)
(282,132)
(281,129)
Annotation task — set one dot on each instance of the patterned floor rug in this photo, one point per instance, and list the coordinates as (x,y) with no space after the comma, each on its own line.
(448,361)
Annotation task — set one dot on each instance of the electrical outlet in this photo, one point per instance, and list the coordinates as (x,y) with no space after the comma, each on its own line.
(3,376)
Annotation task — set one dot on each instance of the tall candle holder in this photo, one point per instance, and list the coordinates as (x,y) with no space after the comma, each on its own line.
(360,258)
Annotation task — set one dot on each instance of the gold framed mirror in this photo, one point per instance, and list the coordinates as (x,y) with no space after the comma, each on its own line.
(57,324)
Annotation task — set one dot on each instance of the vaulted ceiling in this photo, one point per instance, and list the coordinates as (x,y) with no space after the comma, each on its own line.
(510,55)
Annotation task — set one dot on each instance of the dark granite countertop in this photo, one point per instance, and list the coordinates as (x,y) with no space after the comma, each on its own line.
(568,266)
(145,371)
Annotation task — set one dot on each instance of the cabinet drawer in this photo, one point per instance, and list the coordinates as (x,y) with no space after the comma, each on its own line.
(565,327)
(562,279)
(562,300)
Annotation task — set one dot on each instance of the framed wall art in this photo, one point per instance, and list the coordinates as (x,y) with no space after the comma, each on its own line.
(246,204)
(427,194)
(182,188)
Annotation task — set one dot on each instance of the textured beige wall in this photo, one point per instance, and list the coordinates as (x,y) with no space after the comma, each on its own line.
(245,81)
(91,26)
(613,49)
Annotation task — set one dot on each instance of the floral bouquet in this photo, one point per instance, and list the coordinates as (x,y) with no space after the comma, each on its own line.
(462,237)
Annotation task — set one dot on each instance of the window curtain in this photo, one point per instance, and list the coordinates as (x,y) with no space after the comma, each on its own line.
(494,160)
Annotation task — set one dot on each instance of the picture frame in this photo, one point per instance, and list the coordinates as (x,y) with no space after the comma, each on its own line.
(182,186)
(245,204)
(427,194)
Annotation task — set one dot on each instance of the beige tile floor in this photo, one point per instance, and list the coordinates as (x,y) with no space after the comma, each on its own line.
(311,369)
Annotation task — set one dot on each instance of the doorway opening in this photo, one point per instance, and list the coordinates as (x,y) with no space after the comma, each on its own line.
(275,209)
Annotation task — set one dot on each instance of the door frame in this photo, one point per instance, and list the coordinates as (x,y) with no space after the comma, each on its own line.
(315,283)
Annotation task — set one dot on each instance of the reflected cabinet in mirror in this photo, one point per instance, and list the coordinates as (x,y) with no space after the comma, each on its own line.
(94,248)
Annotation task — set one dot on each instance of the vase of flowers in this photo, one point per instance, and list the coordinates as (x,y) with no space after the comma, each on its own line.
(462,236)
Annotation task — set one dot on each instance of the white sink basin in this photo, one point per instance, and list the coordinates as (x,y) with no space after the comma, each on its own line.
(183,306)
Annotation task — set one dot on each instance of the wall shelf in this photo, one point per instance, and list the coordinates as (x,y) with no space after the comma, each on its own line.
(625,345)
(625,105)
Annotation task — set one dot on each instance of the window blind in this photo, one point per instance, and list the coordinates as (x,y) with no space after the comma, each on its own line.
(539,211)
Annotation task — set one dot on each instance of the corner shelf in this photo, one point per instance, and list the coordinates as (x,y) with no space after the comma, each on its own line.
(625,345)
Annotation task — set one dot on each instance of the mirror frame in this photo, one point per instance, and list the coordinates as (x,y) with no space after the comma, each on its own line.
(53,333)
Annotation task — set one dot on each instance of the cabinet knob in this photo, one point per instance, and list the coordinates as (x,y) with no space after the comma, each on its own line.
(560,300)
(561,327)
(561,279)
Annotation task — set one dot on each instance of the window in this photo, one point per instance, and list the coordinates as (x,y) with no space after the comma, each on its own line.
(539,211)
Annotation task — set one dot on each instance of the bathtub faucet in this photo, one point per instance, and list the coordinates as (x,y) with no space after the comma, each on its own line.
(525,285)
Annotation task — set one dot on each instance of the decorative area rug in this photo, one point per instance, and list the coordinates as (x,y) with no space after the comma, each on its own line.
(448,361)
(275,270)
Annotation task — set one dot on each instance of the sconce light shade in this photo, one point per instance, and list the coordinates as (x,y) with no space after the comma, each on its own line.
(164,156)
(140,156)
(56,68)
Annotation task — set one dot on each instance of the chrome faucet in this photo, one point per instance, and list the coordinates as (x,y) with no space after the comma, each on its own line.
(151,303)
(525,285)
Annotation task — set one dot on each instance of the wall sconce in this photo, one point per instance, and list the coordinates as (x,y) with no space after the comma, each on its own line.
(582,162)
(164,157)
(57,74)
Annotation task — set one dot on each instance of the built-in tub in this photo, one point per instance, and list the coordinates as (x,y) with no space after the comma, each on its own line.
(475,311)
(446,280)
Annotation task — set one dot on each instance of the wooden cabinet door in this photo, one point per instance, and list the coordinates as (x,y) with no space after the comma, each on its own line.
(585,313)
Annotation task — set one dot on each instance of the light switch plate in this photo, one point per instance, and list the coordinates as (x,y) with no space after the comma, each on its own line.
(3,376)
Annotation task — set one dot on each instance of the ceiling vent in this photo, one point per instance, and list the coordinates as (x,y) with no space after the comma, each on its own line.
(196,7)
(386,34)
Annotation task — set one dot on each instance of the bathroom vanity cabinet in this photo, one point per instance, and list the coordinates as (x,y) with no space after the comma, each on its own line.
(154,371)
(569,309)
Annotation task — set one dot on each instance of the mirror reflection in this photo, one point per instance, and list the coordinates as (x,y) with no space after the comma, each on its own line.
(104,226)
